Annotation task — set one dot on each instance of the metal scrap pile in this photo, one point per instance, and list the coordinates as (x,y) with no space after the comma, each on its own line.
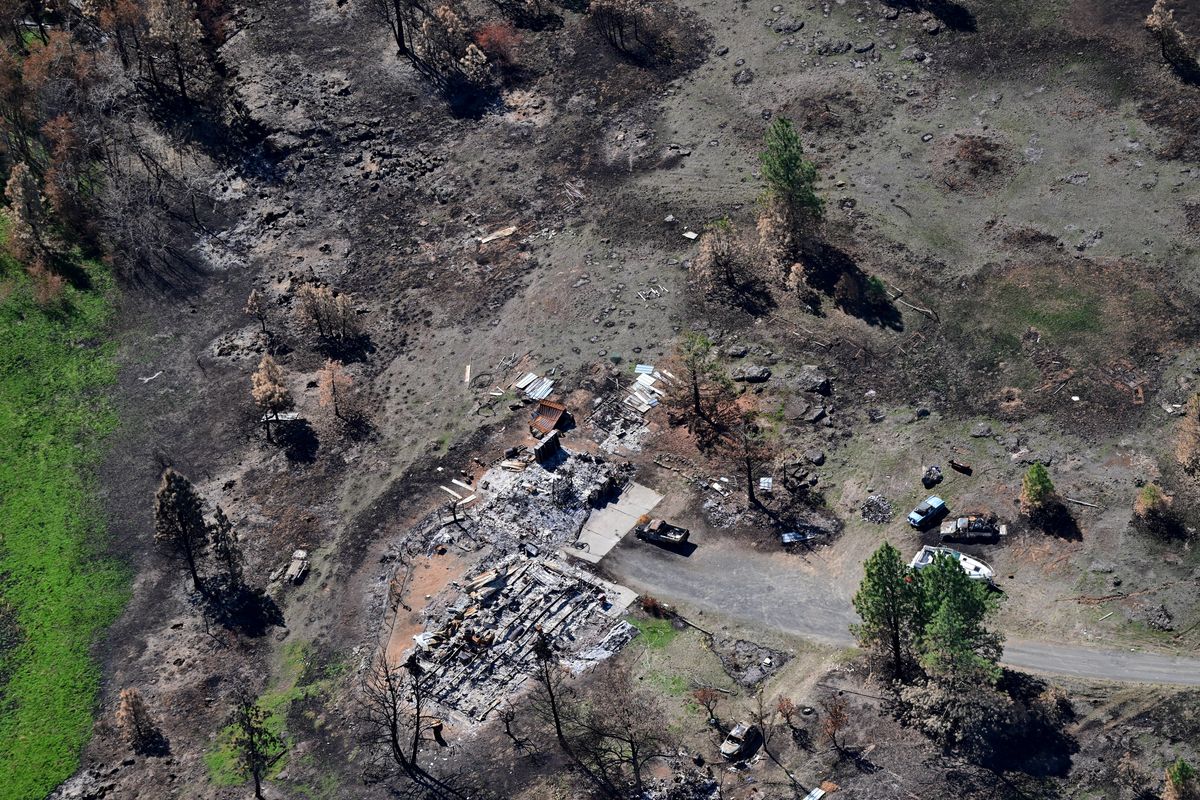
(877,509)
(481,648)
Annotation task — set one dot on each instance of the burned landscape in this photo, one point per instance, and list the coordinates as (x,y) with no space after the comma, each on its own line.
(546,399)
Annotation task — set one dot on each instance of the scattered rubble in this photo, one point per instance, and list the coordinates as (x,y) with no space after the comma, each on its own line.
(877,509)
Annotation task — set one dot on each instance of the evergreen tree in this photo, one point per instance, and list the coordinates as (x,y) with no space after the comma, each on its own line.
(1181,782)
(225,547)
(889,603)
(256,747)
(179,526)
(955,645)
(1036,488)
(789,175)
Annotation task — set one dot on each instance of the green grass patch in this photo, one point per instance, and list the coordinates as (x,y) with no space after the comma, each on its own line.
(301,676)
(1060,311)
(655,633)
(674,685)
(58,590)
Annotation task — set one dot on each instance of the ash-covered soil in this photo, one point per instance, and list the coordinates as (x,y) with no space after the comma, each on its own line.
(1026,171)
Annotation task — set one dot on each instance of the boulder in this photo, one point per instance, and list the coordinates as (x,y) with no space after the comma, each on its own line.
(751,374)
(811,379)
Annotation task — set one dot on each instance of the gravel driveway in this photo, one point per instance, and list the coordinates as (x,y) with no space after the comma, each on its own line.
(807,598)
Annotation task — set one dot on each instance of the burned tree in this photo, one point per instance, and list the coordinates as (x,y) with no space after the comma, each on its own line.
(697,398)
(1187,440)
(136,725)
(254,308)
(226,549)
(635,27)
(834,722)
(334,385)
(393,713)
(750,445)
(1177,49)
(708,697)
(175,33)
(270,393)
(401,18)
(331,314)
(179,527)
(720,257)
(26,214)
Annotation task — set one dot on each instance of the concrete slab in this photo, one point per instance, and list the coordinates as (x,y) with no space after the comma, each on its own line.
(606,526)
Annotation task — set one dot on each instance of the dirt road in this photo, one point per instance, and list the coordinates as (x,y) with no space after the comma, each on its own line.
(808,598)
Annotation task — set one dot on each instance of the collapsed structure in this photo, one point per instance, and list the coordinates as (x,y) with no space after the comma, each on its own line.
(478,643)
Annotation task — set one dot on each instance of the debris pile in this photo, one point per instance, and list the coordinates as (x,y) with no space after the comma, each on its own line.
(481,648)
(932,477)
(877,509)
(748,663)
(527,505)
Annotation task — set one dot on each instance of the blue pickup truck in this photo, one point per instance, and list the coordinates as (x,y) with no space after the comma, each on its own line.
(931,509)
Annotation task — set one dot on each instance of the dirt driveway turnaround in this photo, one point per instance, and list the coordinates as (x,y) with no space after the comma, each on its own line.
(782,592)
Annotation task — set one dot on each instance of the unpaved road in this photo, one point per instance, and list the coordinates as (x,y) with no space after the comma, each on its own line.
(809,598)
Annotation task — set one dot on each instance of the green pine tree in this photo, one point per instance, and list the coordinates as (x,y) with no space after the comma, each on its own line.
(1036,488)
(256,747)
(179,527)
(889,603)
(789,175)
(955,645)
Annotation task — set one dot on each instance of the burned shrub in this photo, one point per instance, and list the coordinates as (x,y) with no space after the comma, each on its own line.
(499,41)
(1018,725)
(640,29)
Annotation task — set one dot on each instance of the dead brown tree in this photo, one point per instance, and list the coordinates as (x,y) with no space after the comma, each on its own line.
(134,722)
(1177,49)
(834,721)
(270,393)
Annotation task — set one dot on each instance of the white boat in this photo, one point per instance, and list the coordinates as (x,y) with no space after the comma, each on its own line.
(976,570)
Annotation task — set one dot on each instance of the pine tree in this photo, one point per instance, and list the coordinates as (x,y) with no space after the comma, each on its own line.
(1036,488)
(889,603)
(788,174)
(1181,782)
(256,747)
(270,392)
(955,645)
(134,721)
(179,526)
(225,547)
